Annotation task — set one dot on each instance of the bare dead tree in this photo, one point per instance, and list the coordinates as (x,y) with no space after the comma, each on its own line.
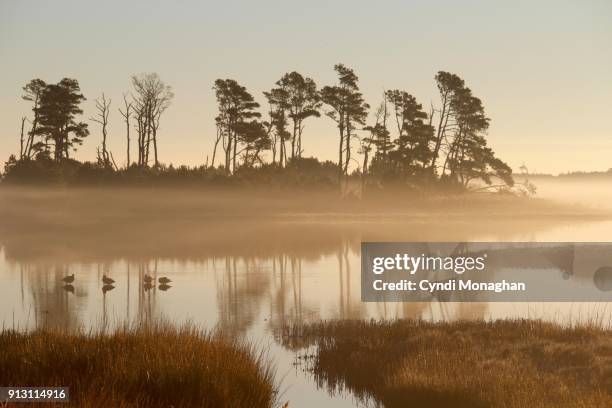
(151,98)
(21,146)
(163,102)
(140,130)
(126,116)
(219,136)
(103,108)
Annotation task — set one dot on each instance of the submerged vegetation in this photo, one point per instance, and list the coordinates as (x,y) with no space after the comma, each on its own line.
(145,367)
(522,363)
(402,144)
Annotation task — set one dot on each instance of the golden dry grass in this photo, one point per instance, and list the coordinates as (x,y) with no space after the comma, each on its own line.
(143,367)
(463,364)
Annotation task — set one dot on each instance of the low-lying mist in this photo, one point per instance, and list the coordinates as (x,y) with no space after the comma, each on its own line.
(102,223)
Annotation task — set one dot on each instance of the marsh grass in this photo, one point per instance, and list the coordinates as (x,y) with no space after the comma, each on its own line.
(521,363)
(140,367)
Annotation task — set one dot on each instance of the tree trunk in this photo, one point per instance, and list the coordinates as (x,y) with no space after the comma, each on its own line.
(440,132)
(228,150)
(234,153)
(294,139)
(340,150)
(283,152)
(155,145)
(219,134)
(21,147)
(348,144)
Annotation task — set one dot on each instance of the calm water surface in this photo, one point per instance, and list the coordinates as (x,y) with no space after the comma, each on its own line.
(255,288)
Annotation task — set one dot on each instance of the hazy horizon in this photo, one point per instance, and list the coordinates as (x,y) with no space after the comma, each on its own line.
(540,69)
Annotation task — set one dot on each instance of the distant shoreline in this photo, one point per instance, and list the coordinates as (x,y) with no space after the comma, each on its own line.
(570,174)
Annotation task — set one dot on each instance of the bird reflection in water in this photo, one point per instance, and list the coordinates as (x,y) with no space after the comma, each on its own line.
(107,288)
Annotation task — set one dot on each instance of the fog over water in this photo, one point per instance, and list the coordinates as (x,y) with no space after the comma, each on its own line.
(250,262)
(590,191)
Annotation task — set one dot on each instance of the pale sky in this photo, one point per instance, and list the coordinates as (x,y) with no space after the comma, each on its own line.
(542,68)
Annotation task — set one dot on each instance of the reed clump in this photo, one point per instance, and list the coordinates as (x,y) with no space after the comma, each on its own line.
(513,363)
(140,367)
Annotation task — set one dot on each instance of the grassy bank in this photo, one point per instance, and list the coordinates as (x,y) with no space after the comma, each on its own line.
(158,367)
(463,364)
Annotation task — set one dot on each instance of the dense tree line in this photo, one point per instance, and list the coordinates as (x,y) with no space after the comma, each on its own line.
(398,140)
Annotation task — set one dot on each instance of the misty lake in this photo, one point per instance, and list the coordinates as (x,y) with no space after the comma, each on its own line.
(238,273)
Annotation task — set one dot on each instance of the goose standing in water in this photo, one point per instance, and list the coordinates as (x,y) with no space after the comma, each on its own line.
(107,281)
(69,278)
(163,280)
(148,279)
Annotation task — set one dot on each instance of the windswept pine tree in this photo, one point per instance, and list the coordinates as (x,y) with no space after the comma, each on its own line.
(236,107)
(278,101)
(348,109)
(448,84)
(460,137)
(32,92)
(303,102)
(56,119)
(413,152)
(469,158)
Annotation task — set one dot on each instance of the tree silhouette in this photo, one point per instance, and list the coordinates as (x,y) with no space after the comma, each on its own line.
(454,152)
(379,138)
(413,153)
(22,148)
(32,92)
(236,106)
(278,99)
(448,84)
(56,112)
(303,102)
(127,114)
(151,99)
(348,109)
(103,108)
(255,138)
(468,156)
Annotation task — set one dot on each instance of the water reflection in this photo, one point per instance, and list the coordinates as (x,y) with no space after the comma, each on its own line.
(46,300)
(282,289)
(245,278)
(249,263)
(280,281)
